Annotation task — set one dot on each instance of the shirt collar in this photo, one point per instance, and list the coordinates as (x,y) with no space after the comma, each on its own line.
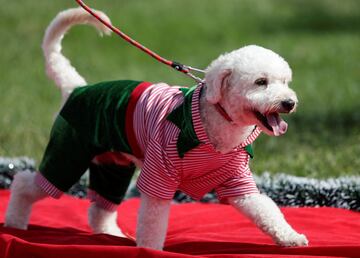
(195,112)
(251,138)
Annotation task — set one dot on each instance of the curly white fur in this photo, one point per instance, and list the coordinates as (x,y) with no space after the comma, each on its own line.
(58,67)
(103,221)
(24,192)
(152,222)
(268,217)
(230,81)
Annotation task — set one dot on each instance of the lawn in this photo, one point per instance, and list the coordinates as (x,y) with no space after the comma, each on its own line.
(320,39)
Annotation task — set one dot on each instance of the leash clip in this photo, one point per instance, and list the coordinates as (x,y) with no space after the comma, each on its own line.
(186,70)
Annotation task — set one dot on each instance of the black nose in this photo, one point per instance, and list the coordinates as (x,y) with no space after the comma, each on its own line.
(288,104)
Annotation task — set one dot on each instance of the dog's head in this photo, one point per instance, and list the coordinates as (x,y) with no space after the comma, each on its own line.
(251,84)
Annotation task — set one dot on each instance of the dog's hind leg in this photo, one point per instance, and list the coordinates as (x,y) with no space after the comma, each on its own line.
(24,193)
(103,221)
(108,185)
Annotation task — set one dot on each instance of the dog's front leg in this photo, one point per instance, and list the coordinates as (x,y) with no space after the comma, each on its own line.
(268,217)
(152,222)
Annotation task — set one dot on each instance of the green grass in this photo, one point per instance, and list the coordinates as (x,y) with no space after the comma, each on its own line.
(320,39)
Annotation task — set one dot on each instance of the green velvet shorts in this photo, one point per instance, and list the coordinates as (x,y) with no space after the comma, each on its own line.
(91,122)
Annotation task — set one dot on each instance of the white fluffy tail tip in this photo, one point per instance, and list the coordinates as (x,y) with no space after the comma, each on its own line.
(102,29)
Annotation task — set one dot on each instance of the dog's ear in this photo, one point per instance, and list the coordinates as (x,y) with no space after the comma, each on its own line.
(213,87)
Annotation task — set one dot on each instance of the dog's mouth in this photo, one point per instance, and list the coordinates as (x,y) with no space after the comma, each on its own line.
(272,122)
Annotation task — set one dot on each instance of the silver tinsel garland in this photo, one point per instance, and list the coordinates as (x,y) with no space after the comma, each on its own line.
(9,166)
(285,190)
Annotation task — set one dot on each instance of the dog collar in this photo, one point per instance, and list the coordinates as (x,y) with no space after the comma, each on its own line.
(223,113)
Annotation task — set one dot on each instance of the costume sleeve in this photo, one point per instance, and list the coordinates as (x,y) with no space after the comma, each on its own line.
(241,183)
(157,178)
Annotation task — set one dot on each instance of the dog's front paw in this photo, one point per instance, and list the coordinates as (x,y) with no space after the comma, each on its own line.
(291,239)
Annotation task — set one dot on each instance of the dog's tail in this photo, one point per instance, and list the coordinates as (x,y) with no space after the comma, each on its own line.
(58,67)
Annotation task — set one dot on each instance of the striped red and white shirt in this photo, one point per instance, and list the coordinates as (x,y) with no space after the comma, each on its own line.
(202,169)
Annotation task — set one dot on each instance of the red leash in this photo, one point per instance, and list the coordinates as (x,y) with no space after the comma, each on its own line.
(177,66)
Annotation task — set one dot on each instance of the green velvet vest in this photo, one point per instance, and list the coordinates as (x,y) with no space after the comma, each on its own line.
(182,118)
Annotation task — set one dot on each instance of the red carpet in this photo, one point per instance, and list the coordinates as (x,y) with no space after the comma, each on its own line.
(58,229)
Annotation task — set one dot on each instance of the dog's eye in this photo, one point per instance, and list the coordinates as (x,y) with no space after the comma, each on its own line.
(261,82)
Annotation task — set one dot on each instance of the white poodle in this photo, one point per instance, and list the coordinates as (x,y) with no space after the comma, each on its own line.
(194,140)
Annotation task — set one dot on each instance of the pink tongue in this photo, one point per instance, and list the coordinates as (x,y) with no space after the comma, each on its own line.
(278,125)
